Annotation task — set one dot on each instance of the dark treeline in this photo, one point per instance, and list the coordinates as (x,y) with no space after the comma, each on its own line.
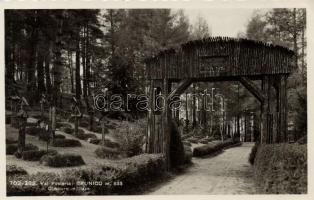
(97,47)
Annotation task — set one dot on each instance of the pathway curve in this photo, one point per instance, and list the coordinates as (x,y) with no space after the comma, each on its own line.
(226,173)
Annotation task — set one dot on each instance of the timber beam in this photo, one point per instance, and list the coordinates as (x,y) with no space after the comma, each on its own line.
(183,84)
(248,84)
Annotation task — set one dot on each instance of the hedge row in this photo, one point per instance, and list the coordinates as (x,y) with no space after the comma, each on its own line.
(36,155)
(12,148)
(66,143)
(212,148)
(122,178)
(281,168)
(12,170)
(61,160)
(107,152)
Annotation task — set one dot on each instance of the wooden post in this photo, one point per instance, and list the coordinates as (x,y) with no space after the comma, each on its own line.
(102,132)
(22,120)
(166,120)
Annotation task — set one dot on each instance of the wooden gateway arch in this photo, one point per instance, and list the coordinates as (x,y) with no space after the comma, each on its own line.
(220,59)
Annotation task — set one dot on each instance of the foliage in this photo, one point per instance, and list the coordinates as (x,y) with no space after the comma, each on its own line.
(94,140)
(34,131)
(28,147)
(111,144)
(85,136)
(10,141)
(281,168)
(12,170)
(62,160)
(131,138)
(177,151)
(68,130)
(212,148)
(11,149)
(253,154)
(66,143)
(36,155)
(187,154)
(131,172)
(107,152)
(192,140)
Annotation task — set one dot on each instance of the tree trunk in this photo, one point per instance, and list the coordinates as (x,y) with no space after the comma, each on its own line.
(78,71)
(47,72)
(194,108)
(40,75)
(88,66)
(84,62)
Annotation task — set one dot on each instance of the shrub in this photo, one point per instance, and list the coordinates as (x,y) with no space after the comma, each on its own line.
(13,170)
(98,129)
(132,172)
(7,119)
(212,148)
(203,141)
(44,135)
(33,189)
(186,143)
(253,154)
(34,131)
(131,139)
(192,140)
(94,140)
(68,130)
(84,124)
(281,168)
(187,154)
(177,156)
(61,125)
(35,155)
(106,152)
(66,143)
(11,149)
(85,136)
(62,160)
(28,147)
(186,136)
(111,144)
(10,141)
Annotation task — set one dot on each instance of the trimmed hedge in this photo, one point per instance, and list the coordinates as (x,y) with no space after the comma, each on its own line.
(66,143)
(36,155)
(10,141)
(85,136)
(68,130)
(34,131)
(192,140)
(12,170)
(212,148)
(111,144)
(94,140)
(131,173)
(11,149)
(187,154)
(28,147)
(62,160)
(281,168)
(107,152)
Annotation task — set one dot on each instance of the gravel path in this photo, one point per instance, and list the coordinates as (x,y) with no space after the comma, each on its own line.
(226,173)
